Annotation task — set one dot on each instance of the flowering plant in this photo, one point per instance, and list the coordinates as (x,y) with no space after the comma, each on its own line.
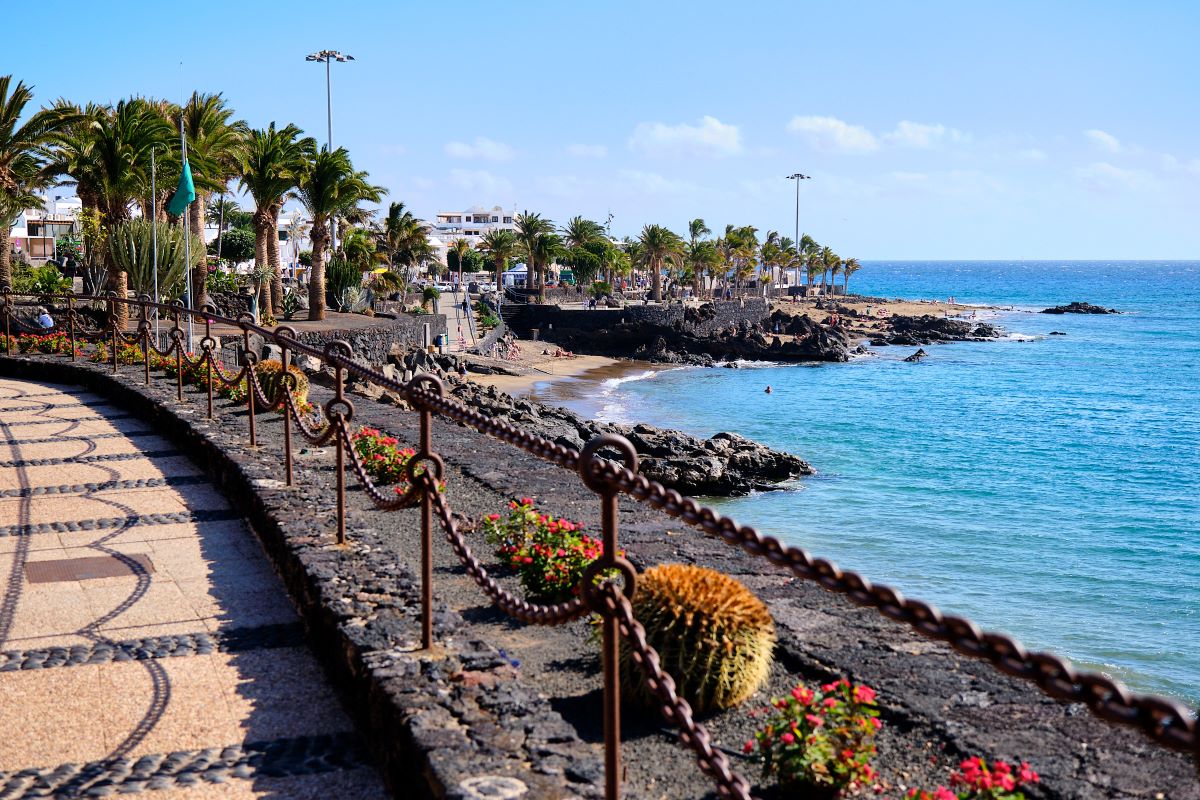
(823,738)
(975,780)
(126,353)
(550,555)
(384,459)
(45,343)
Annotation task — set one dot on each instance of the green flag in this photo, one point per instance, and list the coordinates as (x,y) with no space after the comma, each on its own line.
(184,193)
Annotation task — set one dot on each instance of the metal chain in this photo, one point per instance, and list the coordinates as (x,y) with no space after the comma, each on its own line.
(406,500)
(674,708)
(523,610)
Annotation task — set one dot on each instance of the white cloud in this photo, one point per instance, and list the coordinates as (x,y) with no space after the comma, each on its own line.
(651,183)
(710,138)
(1106,178)
(1172,164)
(482,182)
(1032,154)
(922,135)
(1105,141)
(484,148)
(832,135)
(560,185)
(587,150)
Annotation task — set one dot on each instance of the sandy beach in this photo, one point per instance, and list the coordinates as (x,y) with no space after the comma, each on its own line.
(534,367)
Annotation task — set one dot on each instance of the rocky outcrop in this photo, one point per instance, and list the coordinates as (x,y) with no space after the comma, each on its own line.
(779,337)
(917,356)
(725,464)
(1079,308)
(928,329)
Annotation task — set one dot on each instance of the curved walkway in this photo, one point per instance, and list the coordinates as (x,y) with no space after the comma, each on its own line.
(145,642)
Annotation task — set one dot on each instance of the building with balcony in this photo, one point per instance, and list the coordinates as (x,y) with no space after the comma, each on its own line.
(472,224)
(33,235)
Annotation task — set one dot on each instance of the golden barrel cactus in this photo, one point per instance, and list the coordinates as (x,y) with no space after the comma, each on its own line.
(270,376)
(713,636)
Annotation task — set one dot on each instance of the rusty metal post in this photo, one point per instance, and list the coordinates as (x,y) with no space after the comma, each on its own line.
(426,539)
(287,414)
(207,346)
(7,317)
(144,335)
(71,322)
(178,344)
(249,367)
(340,420)
(115,334)
(610,654)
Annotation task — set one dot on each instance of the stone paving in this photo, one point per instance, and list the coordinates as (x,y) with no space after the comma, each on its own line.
(145,642)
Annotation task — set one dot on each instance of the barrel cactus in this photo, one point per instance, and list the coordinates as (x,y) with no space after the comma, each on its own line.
(270,376)
(712,634)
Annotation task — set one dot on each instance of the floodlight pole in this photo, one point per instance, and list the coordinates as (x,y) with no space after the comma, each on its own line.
(327,57)
(797,177)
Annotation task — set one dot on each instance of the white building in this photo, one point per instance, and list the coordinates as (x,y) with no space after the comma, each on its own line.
(472,224)
(33,235)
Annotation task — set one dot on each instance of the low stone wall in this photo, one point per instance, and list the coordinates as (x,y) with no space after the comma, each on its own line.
(373,344)
(726,314)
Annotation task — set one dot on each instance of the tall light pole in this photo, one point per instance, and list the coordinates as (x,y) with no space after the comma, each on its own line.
(327,57)
(797,177)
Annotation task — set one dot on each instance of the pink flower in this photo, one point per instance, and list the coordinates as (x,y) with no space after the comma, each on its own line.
(748,747)
(802,695)
(864,694)
(1026,774)
(876,723)
(829,702)
(526,501)
(815,720)
(943,793)
(787,738)
(493,517)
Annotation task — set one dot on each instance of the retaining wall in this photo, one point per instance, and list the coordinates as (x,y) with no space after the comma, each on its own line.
(373,344)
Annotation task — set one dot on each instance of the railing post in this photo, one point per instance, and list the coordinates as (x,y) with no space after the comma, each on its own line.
(112,323)
(7,318)
(426,539)
(287,414)
(71,322)
(177,338)
(144,331)
(590,464)
(206,344)
(339,410)
(249,360)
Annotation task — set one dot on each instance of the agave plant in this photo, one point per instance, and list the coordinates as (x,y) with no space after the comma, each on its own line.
(131,246)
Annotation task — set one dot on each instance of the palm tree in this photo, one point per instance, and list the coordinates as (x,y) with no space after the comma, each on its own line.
(271,164)
(829,261)
(23,164)
(460,247)
(403,240)
(660,246)
(500,245)
(329,186)
(214,149)
(532,232)
(771,255)
(849,267)
(107,153)
(697,230)
(586,242)
(701,256)
(358,248)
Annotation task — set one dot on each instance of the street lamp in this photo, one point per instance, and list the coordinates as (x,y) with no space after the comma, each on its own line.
(797,177)
(327,57)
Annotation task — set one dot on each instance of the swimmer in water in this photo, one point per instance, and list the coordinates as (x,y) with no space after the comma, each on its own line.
(768,390)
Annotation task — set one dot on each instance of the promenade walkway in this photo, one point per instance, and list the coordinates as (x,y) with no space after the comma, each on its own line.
(145,642)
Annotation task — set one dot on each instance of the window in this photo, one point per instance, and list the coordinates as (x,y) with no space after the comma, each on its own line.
(508,220)
(495,219)
(469,219)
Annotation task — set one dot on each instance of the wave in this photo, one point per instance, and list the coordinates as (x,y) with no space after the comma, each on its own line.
(612,383)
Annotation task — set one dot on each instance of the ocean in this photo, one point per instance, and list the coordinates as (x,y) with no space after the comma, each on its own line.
(1044,486)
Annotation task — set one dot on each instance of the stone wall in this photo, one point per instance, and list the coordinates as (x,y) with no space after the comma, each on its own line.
(373,344)
(547,318)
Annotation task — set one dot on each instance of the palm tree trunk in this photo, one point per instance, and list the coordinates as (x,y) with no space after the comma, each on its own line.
(316,275)
(276,305)
(499,274)
(541,279)
(655,281)
(530,279)
(262,232)
(5,256)
(199,272)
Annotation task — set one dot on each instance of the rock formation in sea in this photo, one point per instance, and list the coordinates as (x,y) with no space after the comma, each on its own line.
(1079,308)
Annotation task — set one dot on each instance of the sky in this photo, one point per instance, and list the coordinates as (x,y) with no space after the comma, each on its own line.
(935,130)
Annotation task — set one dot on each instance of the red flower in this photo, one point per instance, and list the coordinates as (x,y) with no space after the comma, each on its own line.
(864,694)
(787,738)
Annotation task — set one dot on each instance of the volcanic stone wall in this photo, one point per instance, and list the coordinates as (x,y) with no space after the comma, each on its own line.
(373,344)
(733,312)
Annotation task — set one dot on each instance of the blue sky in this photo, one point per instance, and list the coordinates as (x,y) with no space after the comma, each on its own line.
(931,129)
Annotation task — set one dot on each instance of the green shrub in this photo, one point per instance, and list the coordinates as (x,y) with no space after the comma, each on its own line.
(712,635)
(222,281)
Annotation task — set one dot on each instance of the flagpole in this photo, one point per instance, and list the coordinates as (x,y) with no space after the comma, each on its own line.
(154,238)
(187,232)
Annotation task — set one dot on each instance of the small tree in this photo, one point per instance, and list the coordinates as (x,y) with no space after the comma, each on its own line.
(237,245)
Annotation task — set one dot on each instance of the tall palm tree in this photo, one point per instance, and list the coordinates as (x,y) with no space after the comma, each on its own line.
(533,232)
(829,260)
(214,143)
(460,247)
(271,164)
(660,247)
(500,245)
(329,185)
(403,239)
(23,163)
(697,230)
(849,267)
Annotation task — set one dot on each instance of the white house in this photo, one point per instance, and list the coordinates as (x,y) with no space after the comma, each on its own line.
(472,223)
(36,229)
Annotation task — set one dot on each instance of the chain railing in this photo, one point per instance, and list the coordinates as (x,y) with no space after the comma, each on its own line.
(607,466)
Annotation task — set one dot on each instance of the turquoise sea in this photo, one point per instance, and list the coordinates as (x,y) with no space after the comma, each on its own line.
(1047,488)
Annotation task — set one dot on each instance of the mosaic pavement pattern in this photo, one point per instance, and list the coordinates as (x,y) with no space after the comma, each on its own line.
(145,642)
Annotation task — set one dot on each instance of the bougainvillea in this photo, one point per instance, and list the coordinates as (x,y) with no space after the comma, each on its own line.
(975,780)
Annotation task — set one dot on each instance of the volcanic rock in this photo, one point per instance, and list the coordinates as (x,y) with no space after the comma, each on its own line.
(1079,308)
